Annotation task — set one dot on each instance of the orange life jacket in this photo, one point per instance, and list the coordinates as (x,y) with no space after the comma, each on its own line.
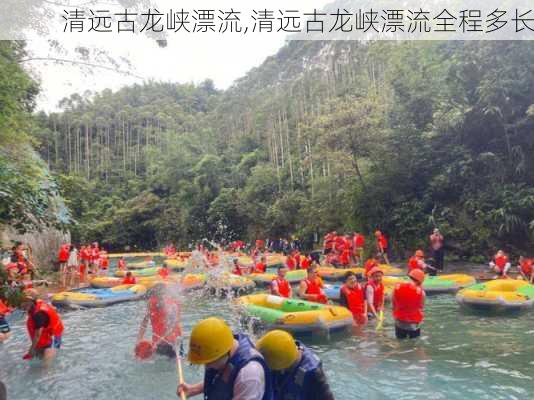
(260,267)
(163,272)
(355,299)
(54,328)
(413,263)
(314,287)
(283,287)
(164,319)
(378,291)
(129,280)
(526,266)
(501,262)
(305,263)
(344,258)
(408,302)
(369,265)
(290,262)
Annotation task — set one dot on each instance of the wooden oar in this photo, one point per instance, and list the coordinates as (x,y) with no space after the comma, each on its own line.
(380,320)
(179,369)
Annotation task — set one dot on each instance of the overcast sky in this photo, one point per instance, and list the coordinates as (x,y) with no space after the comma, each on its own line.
(189,58)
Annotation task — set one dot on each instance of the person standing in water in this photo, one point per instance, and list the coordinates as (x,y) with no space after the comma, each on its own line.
(438,253)
(408,301)
(352,296)
(44,326)
(163,313)
(73,277)
(5,330)
(234,369)
(297,372)
(374,292)
(526,269)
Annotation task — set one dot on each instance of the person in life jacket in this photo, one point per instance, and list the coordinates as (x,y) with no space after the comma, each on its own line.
(44,326)
(382,245)
(280,286)
(103,261)
(234,369)
(298,259)
(370,264)
(129,279)
(374,292)
(344,258)
(164,271)
(358,243)
(5,330)
(436,244)
(408,301)
(526,269)
(417,261)
(311,288)
(163,313)
(328,243)
(500,264)
(94,255)
(239,269)
(297,373)
(290,262)
(121,264)
(62,258)
(305,262)
(352,296)
(261,266)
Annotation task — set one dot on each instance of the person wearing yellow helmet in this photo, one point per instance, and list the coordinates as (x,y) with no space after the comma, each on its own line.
(297,371)
(234,369)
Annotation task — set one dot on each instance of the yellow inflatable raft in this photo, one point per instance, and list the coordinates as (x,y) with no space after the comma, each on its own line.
(498,295)
(448,283)
(223,283)
(294,315)
(175,264)
(99,297)
(338,274)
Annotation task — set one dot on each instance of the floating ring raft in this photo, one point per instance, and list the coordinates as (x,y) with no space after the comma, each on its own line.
(141,265)
(337,274)
(221,284)
(99,297)
(448,283)
(140,272)
(294,276)
(133,255)
(295,315)
(498,294)
(175,264)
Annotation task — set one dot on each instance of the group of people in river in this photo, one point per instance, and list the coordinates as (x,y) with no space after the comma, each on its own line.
(18,265)
(76,265)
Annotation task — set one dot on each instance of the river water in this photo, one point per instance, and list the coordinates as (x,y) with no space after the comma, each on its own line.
(461,355)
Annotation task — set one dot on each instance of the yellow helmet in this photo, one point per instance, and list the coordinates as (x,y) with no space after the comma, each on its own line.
(210,339)
(279,349)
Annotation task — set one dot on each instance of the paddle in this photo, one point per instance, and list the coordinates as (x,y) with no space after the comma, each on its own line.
(179,355)
(380,320)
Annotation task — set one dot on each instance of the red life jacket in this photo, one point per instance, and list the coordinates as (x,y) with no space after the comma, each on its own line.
(4,309)
(378,291)
(85,254)
(129,280)
(355,299)
(290,262)
(237,270)
(344,258)
(95,254)
(260,267)
(413,263)
(359,241)
(313,287)
(305,263)
(382,242)
(164,319)
(408,301)
(340,243)
(104,263)
(369,265)
(283,287)
(526,266)
(63,255)
(163,272)
(54,328)
(298,260)
(501,262)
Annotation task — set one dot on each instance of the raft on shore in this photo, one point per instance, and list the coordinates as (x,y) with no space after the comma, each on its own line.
(90,297)
(293,315)
(498,295)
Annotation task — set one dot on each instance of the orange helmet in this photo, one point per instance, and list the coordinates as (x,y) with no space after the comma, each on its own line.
(375,270)
(419,253)
(417,275)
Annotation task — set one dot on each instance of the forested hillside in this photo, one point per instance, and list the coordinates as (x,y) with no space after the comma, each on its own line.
(321,136)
